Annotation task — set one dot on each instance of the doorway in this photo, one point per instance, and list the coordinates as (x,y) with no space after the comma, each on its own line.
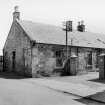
(13,60)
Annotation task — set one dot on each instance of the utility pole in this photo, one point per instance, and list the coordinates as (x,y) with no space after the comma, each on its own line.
(66,42)
(68,28)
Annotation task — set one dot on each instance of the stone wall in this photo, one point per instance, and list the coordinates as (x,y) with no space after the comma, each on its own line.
(83,59)
(17,41)
(43,60)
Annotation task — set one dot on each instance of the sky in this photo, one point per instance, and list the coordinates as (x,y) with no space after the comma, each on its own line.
(53,12)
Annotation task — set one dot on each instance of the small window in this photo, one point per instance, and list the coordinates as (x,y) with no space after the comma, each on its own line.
(1,59)
(33,44)
(89,56)
(14,53)
(58,53)
(59,61)
(97,57)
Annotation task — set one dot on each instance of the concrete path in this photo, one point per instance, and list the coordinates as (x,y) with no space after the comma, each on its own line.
(77,89)
(81,88)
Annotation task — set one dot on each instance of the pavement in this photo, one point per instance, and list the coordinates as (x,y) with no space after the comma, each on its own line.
(81,85)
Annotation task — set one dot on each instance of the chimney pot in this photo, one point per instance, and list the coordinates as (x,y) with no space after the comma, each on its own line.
(16,8)
(16,13)
(82,22)
(81,26)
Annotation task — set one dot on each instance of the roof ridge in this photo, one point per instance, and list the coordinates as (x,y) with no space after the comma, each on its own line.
(55,26)
(40,23)
(50,34)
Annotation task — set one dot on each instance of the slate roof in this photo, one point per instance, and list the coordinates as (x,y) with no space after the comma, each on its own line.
(44,33)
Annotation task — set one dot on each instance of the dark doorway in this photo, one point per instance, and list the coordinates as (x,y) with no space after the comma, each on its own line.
(13,60)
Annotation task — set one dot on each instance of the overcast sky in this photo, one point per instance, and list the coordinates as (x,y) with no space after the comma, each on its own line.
(53,12)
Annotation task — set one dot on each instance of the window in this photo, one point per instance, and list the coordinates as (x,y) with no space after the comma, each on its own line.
(97,57)
(59,61)
(89,58)
(1,59)
(33,43)
(14,53)
(13,59)
(58,53)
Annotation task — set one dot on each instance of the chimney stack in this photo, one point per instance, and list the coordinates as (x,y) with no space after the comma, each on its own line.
(81,26)
(16,13)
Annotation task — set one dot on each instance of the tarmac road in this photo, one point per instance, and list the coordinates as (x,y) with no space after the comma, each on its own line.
(19,91)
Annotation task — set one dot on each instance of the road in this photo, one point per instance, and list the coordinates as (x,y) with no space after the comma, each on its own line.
(24,92)
(20,92)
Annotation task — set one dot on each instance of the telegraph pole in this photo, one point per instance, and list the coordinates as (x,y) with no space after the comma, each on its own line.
(66,42)
(68,27)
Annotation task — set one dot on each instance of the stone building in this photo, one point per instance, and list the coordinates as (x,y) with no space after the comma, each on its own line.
(1,63)
(33,47)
